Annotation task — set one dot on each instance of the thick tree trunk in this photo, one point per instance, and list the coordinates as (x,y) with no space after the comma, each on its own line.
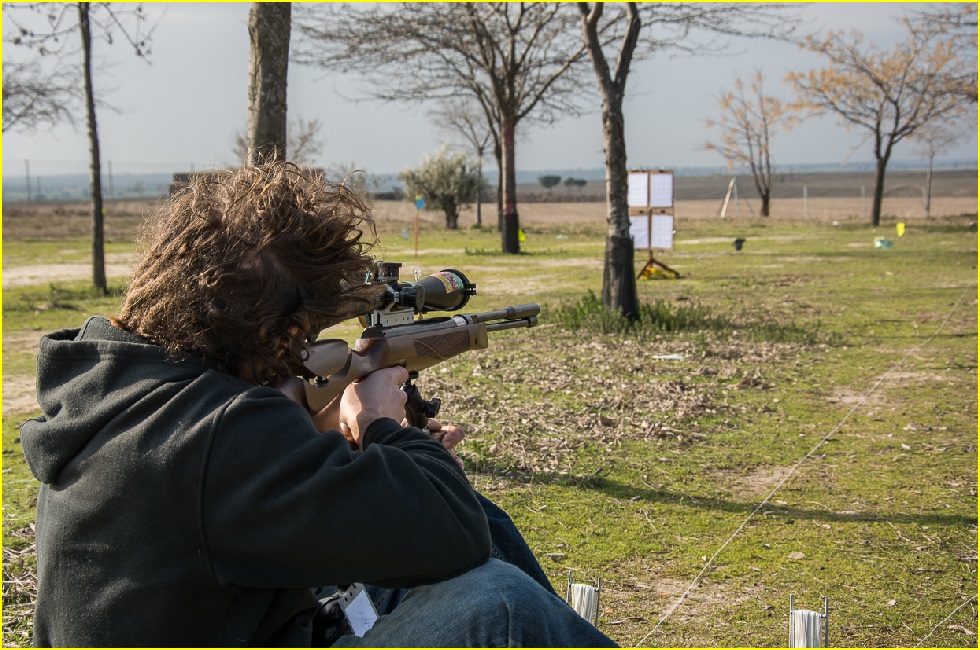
(618,279)
(268,30)
(510,243)
(95,158)
(617,203)
(764,210)
(452,218)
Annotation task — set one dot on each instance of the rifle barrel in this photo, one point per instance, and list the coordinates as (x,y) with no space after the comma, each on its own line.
(530,321)
(513,313)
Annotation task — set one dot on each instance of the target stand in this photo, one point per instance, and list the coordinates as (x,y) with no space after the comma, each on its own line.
(654,270)
(651,212)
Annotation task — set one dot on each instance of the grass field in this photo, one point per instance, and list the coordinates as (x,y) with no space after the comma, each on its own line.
(813,433)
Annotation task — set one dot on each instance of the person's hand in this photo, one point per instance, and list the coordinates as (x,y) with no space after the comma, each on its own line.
(376,396)
(328,419)
(449,436)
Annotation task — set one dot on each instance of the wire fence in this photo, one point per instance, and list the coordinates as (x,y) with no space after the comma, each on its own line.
(42,181)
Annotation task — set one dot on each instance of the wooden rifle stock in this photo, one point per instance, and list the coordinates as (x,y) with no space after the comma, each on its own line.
(415,346)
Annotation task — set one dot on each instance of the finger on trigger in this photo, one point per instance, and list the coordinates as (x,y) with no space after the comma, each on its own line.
(401,374)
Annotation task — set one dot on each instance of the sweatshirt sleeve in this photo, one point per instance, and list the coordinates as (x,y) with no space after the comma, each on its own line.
(285,506)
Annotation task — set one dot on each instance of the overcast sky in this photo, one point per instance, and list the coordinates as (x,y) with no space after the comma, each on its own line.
(182,109)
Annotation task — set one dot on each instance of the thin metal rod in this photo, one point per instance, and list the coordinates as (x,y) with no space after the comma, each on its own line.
(791,621)
(598,591)
(826,623)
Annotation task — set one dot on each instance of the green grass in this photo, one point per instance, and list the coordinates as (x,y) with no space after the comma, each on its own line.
(591,318)
(64,251)
(33,310)
(799,417)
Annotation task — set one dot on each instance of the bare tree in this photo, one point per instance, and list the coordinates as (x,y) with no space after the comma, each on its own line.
(511,58)
(956,22)
(33,98)
(641,30)
(889,94)
(747,126)
(464,118)
(303,142)
(268,30)
(618,282)
(90,21)
(932,139)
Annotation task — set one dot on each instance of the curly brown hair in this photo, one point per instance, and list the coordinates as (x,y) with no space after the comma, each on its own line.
(241,259)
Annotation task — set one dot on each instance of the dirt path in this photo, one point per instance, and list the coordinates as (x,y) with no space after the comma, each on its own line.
(117,266)
(18,395)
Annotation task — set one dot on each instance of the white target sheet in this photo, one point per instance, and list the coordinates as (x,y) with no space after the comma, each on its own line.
(656,232)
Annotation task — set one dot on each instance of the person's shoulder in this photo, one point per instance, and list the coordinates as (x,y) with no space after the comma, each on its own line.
(98,328)
(266,401)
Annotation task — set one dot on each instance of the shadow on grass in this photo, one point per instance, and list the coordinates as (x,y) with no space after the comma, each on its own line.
(626,492)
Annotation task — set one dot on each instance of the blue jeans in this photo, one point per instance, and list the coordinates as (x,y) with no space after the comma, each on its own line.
(507,602)
(495,605)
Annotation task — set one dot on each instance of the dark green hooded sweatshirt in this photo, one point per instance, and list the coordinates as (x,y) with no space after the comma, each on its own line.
(181,506)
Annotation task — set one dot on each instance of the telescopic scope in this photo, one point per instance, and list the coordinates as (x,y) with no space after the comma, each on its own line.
(447,290)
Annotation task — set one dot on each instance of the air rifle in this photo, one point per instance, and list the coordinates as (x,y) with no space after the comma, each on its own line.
(396,334)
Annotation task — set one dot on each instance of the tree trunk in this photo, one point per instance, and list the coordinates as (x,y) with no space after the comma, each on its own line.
(880,164)
(95,159)
(510,243)
(479,191)
(268,30)
(617,181)
(762,178)
(451,210)
(498,155)
(618,279)
(927,200)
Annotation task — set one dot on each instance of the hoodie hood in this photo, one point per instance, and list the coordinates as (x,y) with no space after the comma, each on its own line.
(85,378)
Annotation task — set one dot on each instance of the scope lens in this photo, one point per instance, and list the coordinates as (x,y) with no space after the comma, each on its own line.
(447,290)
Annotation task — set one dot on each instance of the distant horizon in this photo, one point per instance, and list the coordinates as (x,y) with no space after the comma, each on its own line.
(13,171)
(74,186)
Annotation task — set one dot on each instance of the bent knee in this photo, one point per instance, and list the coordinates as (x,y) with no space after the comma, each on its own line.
(504,589)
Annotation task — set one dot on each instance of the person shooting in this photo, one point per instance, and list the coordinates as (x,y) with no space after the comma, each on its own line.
(186,500)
